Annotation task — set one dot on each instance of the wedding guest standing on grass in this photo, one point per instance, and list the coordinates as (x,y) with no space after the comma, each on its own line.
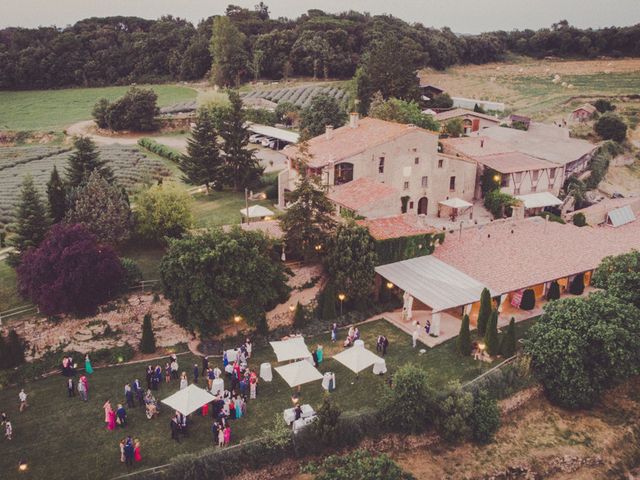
(8,430)
(87,365)
(128,395)
(71,388)
(22,396)
(196,373)
(121,415)
(175,428)
(137,389)
(184,381)
(82,390)
(149,376)
(137,454)
(108,410)
(128,452)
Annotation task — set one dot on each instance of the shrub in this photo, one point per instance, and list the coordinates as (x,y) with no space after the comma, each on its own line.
(299,316)
(611,127)
(136,110)
(508,343)
(552,217)
(132,273)
(579,220)
(452,419)
(576,287)
(554,291)
(603,105)
(148,342)
(159,149)
(491,338)
(359,464)
(326,427)
(407,406)
(485,311)
(464,338)
(497,201)
(11,350)
(163,211)
(328,302)
(485,417)
(528,301)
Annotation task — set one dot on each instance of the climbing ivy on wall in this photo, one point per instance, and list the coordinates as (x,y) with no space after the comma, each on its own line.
(402,248)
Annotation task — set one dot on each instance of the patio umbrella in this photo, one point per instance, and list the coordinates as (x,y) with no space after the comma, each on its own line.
(357,358)
(297,373)
(188,400)
(292,349)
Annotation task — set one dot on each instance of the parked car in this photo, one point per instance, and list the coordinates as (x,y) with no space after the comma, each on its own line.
(256,138)
(265,141)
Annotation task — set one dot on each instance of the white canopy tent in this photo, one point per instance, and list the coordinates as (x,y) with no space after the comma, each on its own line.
(455,203)
(256,211)
(539,200)
(300,372)
(292,349)
(188,400)
(357,358)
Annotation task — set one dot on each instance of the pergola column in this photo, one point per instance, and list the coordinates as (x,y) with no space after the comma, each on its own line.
(435,324)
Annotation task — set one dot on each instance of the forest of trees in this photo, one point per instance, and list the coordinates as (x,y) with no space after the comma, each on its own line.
(122,50)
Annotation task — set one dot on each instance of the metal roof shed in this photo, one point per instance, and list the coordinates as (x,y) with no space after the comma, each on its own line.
(273,132)
(433,282)
(621,216)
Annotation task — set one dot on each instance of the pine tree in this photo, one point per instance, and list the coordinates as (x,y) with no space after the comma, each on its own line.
(464,338)
(485,312)
(83,161)
(148,342)
(554,291)
(15,349)
(508,344)
(308,221)
(299,316)
(203,163)
(491,339)
(56,194)
(31,222)
(242,168)
(329,303)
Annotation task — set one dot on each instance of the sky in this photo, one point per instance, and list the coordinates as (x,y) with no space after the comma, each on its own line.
(462,16)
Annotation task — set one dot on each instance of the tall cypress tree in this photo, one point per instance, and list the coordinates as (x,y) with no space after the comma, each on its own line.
(485,312)
(508,344)
(148,342)
(328,303)
(491,339)
(15,349)
(464,338)
(242,168)
(83,161)
(56,195)
(203,163)
(32,222)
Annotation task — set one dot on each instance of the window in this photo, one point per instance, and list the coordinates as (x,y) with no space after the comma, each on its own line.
(452,183)
(552,173)
(343,173)
(410,205)
(440,163)
(416,160)
(425,182)
(381,165)
(406,185)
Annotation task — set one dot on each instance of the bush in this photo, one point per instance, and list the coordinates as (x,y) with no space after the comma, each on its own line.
(163,211)
(159,149)
(579,220)
(11,350)
(604,106)
(132,273)
(408,405)
(327,302)
(496,202)
(508,343)
(491,338)
(261,116)
(554,291)
(611,127)
(454,411)
(299,316)
(136,110)
(528,301)
(359,464)
(326,427)
(148,342)
(485,417)
(464,338)
(552,217)
(576,287)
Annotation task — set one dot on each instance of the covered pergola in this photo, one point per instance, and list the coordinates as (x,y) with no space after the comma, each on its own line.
(434,283)
(540,200)
(256,211)
(454,206)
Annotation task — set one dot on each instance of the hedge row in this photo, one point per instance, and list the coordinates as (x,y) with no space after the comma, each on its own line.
(396,249)
(159,149)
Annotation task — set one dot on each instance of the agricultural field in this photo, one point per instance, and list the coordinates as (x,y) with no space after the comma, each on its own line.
(129,164)
(526,85)
(299,95)
(45,110)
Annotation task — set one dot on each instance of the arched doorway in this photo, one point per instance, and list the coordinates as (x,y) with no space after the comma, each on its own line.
(423,205)
(343,173)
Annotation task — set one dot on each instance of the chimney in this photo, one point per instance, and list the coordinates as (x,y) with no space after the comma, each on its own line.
(328,132)
(482,143)
(353,119)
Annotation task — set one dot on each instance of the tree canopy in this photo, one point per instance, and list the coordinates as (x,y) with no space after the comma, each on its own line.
(136,111)
(83,161)
(611,127)
(202,164)
(620,276)
(163,211)
(401,111)
(322,111)
(229,58)
(213,276)
(31,222)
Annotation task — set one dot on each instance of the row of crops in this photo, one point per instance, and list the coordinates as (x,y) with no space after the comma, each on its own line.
(300,96)
(182,107)
(130,167)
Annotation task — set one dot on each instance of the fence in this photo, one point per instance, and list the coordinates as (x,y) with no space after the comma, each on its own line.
(490,371)
(144,284)
(17,312)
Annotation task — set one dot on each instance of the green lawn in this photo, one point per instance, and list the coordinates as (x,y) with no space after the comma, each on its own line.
(221,208)
(9,297)
(57,435)
(56,109)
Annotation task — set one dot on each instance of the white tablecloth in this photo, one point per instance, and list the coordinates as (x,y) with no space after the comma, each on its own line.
(302,422)
(217,386)
(290,414)
(380,367)
(228,368)
(231,355)
(327,379)
(265,372)
(358,343)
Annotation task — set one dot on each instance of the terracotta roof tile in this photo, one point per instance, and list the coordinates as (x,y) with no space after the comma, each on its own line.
(461,112)
(510,162)
(509,255)
(346,141)
(360,193)
(394,227)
